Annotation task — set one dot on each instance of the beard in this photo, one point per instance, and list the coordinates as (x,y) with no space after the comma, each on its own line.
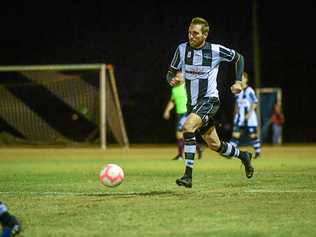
(196,44)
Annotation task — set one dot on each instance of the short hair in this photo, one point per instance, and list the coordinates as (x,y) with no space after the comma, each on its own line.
(201,21)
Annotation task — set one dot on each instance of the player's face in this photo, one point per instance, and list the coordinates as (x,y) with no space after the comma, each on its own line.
(196,37)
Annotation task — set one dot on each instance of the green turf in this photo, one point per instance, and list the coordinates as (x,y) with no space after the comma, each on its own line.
(56,192)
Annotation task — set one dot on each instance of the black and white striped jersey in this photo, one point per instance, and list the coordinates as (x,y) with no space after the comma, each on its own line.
(200,68)
(244,100)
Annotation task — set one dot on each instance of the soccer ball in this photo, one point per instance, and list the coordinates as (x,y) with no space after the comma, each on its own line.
(111,175)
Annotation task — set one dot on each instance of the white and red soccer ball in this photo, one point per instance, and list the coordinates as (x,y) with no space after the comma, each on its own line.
(111,175)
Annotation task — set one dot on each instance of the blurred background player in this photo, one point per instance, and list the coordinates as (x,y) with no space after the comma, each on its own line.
(10,225)
(178,101)
(245,118)
(277,120)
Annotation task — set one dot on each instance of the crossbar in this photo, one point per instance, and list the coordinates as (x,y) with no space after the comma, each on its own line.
(61,67)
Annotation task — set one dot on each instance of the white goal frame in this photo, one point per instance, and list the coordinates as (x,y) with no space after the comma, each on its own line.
(68,67)
(260,91)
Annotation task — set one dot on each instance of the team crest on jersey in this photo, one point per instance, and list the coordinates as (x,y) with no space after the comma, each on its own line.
(189,54)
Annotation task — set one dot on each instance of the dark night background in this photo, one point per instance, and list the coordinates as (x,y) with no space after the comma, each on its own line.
(140,39)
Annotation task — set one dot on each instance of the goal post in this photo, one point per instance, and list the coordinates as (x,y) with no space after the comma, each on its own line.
(116,121)
(267,98)
(55,104)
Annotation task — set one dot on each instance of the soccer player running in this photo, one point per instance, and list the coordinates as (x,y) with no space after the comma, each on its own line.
(245,119)
(10,225)
(199,62)
(178,101)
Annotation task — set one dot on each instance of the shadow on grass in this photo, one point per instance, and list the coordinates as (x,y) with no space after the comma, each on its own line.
(100,194)
(133,194)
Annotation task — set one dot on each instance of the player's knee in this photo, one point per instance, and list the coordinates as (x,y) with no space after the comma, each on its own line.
(188,127)
(253,136)
(179,135)
(236,135)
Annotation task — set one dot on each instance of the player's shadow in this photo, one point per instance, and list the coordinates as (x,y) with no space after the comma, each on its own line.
(133,194)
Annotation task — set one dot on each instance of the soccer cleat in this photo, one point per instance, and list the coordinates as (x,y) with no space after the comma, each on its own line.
(13,228)
(246,161)
(185,181)
(177,157)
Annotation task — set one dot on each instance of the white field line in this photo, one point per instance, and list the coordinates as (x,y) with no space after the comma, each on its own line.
(147,193)
(76,193)
(279,191)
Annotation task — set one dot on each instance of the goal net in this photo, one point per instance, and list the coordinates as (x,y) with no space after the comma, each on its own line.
(60,104)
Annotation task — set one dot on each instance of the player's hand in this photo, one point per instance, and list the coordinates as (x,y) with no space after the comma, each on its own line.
(177,80)
(166,116)
(236,88)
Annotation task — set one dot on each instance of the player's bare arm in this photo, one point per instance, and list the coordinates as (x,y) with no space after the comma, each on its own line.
(169,107)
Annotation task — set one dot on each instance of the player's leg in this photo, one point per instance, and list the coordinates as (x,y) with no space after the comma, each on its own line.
(192,123)
(235,136)
(180,145)
(276,133)
(181,118)
(9,223)
(254,140)
(199,116)
(227,150)
(200,147)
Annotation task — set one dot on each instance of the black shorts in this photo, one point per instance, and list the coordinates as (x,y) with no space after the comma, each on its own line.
(206,108)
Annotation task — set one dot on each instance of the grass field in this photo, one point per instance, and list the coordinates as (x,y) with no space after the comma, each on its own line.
(56,192)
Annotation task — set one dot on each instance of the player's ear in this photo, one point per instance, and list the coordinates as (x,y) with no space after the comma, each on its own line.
(205,34)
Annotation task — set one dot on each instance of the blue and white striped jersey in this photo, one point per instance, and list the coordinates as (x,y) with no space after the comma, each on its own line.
(200,68)
(244,100)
